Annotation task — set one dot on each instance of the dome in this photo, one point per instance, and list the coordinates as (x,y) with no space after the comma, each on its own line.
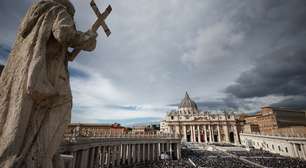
(188,105)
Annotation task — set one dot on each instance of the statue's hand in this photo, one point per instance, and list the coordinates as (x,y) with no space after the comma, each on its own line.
(89,40)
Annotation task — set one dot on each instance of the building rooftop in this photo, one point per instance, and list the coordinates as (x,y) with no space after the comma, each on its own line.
(114,125)
(289,109)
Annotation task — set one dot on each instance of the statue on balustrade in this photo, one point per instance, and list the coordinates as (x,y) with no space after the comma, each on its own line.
(35,94)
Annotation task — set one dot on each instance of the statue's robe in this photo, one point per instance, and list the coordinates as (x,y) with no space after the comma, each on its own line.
(35,95)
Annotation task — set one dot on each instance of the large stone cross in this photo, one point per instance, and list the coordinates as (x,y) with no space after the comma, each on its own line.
(99,22)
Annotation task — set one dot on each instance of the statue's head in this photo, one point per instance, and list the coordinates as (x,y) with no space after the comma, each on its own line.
(68,5)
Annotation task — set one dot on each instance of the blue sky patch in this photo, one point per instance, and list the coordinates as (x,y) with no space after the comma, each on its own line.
(74,72)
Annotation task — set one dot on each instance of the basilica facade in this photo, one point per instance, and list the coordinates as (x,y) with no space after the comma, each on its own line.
(196,126)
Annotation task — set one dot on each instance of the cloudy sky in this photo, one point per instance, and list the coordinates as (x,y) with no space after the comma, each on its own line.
(236,55)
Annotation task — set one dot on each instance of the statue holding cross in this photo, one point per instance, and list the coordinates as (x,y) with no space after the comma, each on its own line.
(35,94)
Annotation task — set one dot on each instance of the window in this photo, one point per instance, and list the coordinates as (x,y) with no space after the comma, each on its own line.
(172,117)
(286,149)
(279,148)
(273,147)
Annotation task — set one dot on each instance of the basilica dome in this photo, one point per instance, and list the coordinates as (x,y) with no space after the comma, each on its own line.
(188,106)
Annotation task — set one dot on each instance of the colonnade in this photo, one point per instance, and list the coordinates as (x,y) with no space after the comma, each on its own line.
(207,133)
(116,152)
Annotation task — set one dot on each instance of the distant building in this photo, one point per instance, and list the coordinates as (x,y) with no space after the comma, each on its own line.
(83,129)
(250,128)
(194,125)
(145,129)
(276,120)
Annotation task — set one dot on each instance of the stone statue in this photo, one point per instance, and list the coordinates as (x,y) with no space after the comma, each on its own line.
(35,95)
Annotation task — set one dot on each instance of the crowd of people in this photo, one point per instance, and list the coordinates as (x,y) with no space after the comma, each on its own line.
(192,158)
(268,159)
(213,159)
(279,162)
(254,152)
(163,164)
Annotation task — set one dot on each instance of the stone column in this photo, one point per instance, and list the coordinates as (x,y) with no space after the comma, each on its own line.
(138,153)
(225,129)
(102,157)
(119,157)
(92,152)
(236,136)
(153,152)
(205,133)
(178,150)
(77,156)
(118,154)
(199,134)
(108,158)
(158,149)
(193,133)
(303,151)
(219,134)
(184,133)
(170,149)
(98,155)
(149,152)
(74,160)
(212,128)
(209,133)
(129,154)
(134,152)
(126,153)
(294,150)
(84,160)
(177,130)
(162,147)
(113,155)
(144,152)
(123,153)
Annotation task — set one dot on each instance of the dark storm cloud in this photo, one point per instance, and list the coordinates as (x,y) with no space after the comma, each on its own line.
(213,105)
(120,107)
(281,73)
(223,104)
(296,102)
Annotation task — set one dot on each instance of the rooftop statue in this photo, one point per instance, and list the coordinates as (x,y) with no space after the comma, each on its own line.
(35,94)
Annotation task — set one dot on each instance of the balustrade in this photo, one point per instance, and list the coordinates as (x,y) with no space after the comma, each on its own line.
(87,149)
